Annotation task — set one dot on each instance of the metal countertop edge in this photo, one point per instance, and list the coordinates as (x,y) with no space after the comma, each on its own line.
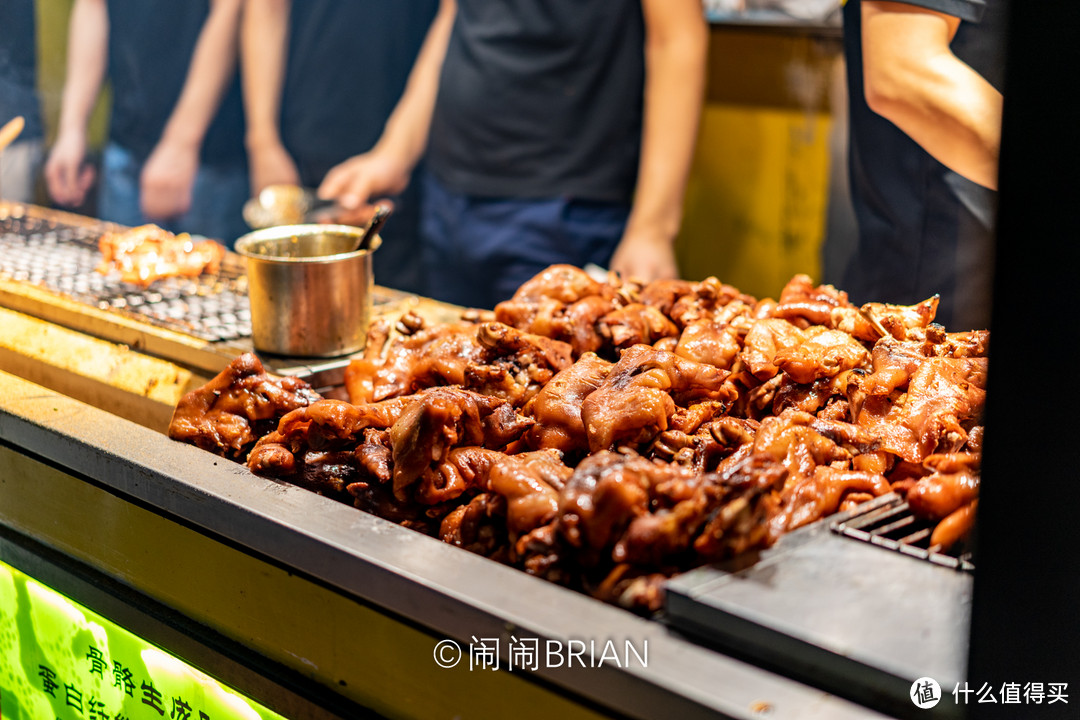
(447,590)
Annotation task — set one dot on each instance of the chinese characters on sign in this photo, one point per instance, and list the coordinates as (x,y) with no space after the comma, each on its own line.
(62,661)
(93,709)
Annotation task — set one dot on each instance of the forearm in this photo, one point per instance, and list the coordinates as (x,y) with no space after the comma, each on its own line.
(87,60)
(405,136)
(209,74)
(263,48)
(675,59)
(913,79)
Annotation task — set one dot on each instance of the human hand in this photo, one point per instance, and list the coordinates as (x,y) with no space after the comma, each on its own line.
(356,183)
(167,178)
(66,176)
(271,164)
(645,257)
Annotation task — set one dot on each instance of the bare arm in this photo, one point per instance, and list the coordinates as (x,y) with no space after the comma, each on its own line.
(676,48)
(385,169)
(264,45)
(88,36)
(169,172)
(912,77)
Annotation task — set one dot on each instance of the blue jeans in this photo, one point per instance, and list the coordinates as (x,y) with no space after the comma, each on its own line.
(217,198)
(477,251)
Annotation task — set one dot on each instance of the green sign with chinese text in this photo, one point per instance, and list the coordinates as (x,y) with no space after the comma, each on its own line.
(61,661)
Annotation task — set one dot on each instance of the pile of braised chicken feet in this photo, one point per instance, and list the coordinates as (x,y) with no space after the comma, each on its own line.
(608,435)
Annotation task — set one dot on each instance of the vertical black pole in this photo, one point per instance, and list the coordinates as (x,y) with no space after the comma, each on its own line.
(1026,608)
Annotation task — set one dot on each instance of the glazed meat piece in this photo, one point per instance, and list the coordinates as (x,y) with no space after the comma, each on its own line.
(429,357)
(812,398)
(802,300)
(953,484)
(812,497)
(530,484)
(445,418)
(375,454)
(460,470)
(944,397)
(706,341)
(579,323)
(360,372)
(516,364)
(228,414)
(542,553)
(663,294)
(563,283)
(896,320)
(893,363)
(323,425)
(710,299)
(378,499)
(764,339)
(562,303)
(823,354)
(147,253)
(606,491)
(803,442)
(636,324)
(491,358)
(954,528)
(638,397)
(557,407)
(740,523)
(477,526)
(654,539)
(632,588)
(327,472)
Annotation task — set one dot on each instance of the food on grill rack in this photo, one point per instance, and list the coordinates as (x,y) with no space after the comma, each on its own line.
(148,253)
(608,435)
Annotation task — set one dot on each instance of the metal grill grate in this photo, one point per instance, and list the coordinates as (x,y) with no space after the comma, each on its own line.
(63,258)
(893,526)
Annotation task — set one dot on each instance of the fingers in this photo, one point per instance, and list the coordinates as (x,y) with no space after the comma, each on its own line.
(335,181)
(161,199)
(352,184)
(68,180)
(84,181)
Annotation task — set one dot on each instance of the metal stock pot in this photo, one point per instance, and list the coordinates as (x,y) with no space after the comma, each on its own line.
(310,293)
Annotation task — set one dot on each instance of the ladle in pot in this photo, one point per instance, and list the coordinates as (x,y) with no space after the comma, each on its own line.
(382,212)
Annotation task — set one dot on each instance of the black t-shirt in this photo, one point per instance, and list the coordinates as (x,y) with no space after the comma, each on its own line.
(18,66)
(150,47)
(347,66)
(923,229)
(541,98)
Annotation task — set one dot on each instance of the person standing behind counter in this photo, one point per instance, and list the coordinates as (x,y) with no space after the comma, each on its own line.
(175,153)
(20,161)
(320,79)
(560,131)
(924,79)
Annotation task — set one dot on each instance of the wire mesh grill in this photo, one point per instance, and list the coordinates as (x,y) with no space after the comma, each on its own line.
(893,526)
(63,257)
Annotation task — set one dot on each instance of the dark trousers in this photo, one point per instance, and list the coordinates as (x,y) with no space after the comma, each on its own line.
(477,251)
